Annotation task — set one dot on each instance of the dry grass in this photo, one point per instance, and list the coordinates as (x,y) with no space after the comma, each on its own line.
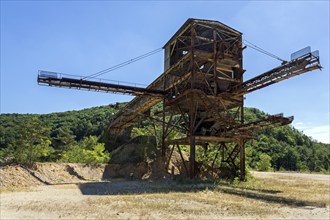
(292,189)
(256,198)
(15,189)
(196,205)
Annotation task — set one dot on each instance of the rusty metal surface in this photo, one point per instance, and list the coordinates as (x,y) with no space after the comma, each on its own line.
(95,85)
(203,85)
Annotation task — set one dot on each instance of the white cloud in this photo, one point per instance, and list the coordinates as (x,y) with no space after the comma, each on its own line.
(320,133)
(298,124)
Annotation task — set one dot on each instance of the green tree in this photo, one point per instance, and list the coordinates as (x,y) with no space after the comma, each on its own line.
(63,141)
(7,154)
(290,158)
(87,150)
(264,164)
(33,142)
(64,138)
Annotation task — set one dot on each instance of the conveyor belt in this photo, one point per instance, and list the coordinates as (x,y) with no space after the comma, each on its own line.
(142,104)
(56,79)
(303,64)
(245,131)
(153,94)
(131,114)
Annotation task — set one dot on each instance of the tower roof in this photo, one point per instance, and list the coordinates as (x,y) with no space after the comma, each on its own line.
(203,22)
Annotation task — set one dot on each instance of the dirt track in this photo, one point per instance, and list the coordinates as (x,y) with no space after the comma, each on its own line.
(164,200)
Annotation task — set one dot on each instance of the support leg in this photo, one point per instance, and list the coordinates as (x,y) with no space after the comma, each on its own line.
(242,160)
(184,163)
(169,159)
(192,157)
(242,145)
(163,131)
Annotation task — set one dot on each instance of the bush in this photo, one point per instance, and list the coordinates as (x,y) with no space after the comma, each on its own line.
(87,150)
(264,163)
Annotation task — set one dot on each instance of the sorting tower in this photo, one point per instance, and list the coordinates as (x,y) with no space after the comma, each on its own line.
(203,85)
(204,59)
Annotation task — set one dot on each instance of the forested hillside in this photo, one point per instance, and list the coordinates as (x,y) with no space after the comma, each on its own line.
(71,136)
(75,136)
(287,148)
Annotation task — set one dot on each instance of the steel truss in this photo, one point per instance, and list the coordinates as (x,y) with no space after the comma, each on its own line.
(203,85)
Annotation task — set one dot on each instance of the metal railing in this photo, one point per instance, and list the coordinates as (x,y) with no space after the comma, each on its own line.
(42,74)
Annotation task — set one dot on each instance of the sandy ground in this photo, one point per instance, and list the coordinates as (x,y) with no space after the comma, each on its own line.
(158,200)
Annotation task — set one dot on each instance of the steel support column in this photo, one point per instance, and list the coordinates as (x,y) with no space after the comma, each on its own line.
(242,145)
(192,157)
(192,114)
(192,109)
(242,160)
(163,130)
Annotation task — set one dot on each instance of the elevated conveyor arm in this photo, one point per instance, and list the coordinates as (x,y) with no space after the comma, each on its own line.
(154,93)
(66,81)
(302,64)
(298,65)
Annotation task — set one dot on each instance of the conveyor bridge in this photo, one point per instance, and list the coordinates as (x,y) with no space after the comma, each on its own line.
(202,84)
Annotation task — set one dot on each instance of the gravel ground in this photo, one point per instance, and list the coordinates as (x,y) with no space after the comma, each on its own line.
(148,200)
(69,202)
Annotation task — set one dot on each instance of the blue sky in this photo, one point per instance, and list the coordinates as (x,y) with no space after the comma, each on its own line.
(82,38)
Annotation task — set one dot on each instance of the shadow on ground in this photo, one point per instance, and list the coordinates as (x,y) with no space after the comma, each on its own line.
(139,187)
(145,187)
(269,197)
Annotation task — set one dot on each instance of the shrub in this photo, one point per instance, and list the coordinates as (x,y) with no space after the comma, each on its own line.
(264,163)
(87,150)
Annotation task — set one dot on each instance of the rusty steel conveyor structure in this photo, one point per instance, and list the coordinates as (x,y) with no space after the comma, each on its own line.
(153,94)
(203,84)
